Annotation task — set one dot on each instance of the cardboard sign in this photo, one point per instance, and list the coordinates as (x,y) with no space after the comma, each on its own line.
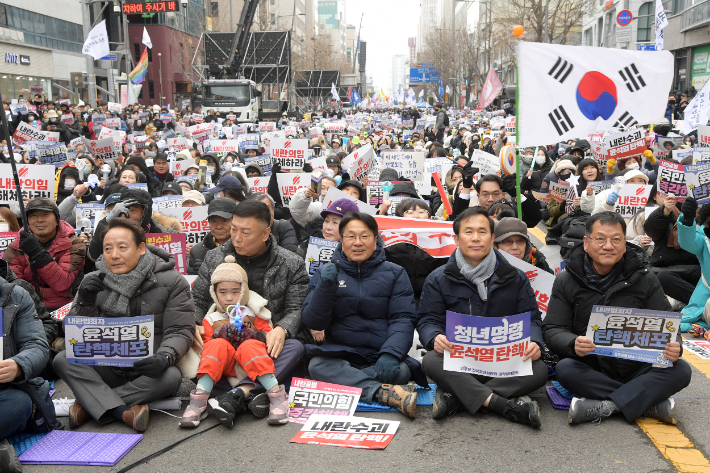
(88,211)
(174,244)
(114,108)
(354,432)
(308,398)
(632,198)
(224,146)
(625,145)
(290,154)
(699,348)
(486,162)
(540,281)
(633,334)
(116,342)
(35,181)
(362,163)
(51,154)
(697,178)
(26,132)
(258,184)
(671,180)
(290,183)
(114,123)
(408,164)
(433,236)
(488,346)
(177,144)
(319,253)
(334,194)
(375,194)
(193,220)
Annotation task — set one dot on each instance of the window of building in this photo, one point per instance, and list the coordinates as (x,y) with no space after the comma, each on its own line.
(214,8)
(151,90)
(137,52)
(610,40)
(589,37)
(42,30)
(273,18)
(644,25)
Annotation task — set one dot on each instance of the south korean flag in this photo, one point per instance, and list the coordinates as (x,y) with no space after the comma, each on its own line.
(569,92)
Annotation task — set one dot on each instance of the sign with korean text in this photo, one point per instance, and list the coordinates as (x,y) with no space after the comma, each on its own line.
(335,128)
(353,432)
(117,342)
(697,178)
(88,211)
(51,154)
(102,149)
(485,162)
(35,181)
(488,346)
(319,253)
(167,202)
(200,132)
(6,239)
(408,164)
(558,191)
(174,244)
(290,154)
(26,132)
(308,397)
(114,123)
(177,144)
(700,348)
(626,144)
(633,334)
(290,183)
(671,180)
(703,135)
(224,146)
(267,126)
(258,184)
(433,236)
(362,163)
(375,194)
(540,281)
(114,107)
(632,198)
(193,220)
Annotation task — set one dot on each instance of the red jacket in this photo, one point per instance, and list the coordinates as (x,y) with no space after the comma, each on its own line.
(55,282)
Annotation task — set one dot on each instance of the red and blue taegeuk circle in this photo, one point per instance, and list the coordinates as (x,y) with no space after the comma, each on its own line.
(596,96)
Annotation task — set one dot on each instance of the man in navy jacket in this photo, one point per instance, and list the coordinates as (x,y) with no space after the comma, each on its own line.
(478,281)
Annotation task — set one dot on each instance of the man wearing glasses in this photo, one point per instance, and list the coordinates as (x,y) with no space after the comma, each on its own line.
(365,304)
(603,272)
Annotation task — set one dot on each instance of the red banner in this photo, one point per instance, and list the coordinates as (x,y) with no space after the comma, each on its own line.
(433,236)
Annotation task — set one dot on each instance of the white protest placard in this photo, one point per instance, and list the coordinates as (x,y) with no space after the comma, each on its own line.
(488,346)
(600,153)
(510,129)
(167,202)
(334,194)
(116,342)
(697,178)
(625,145)
(193,220)
(704,135)
(26,132)
(558,191)
(290,183)
(318,163)
(699,348)
(408,164)
(115,135)
(36,180)
(290,154)
(540,281)
(198,118)
(336,128)
(224,146)
(177,144)
(632,198)
(114,107)
(347,431)
(102,149)
(267,126)
(259,184)
(319,253)
(362,163)
(114,123)
(485,162)
(200,132)
(308,397)
(89,211)
(633,334)
(671,180)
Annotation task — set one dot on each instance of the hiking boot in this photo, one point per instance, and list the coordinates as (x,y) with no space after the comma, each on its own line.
(278,407)
(522,412)
(196,410)
(444,404)
(582,410)
(400,397)
(260,405)
(8,458)
(137,417)
(226,407)
(663,411)
(77,416)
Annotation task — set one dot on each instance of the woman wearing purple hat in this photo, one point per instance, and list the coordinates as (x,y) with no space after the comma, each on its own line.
(333,215)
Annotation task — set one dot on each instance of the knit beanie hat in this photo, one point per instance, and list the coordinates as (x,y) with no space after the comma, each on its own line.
(230,271)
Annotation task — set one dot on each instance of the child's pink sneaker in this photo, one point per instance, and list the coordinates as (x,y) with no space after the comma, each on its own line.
(196,410)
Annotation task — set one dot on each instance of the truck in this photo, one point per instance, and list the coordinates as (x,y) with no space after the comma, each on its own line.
(239,96)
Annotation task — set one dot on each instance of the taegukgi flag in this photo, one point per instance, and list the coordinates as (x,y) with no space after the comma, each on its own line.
(567,92)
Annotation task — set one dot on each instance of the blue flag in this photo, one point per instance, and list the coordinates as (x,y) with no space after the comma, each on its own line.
(441,89)
(355,98)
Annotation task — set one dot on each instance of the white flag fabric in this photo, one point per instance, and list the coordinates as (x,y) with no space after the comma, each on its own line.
(569,92)
(146,38)
(698,110)
(96,44)
(448,90)
(421,93)
(334,92)
(661,21)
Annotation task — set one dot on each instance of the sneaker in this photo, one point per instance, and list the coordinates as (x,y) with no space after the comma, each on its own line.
(260,405)
(77,416)
(403,398)
(444,404)
(522,412)
(582,410)
(137,417)
(278,407)
(8,458)
(196,410)
(226,407)
(663,411)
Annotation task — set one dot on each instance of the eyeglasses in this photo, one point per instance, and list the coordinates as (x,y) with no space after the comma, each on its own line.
(363,238)
(419,212)
(601,241)
(496,194)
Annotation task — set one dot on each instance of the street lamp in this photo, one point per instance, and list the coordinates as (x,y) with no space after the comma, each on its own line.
(160,64)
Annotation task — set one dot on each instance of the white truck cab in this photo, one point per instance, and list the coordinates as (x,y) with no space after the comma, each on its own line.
(239,96)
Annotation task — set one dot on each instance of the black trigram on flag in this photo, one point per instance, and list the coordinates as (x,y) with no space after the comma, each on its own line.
(560,120)
(561,70)
(625,120)
(632,78)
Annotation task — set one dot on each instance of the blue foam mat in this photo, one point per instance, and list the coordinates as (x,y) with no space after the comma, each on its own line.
(23,442)
(425,397)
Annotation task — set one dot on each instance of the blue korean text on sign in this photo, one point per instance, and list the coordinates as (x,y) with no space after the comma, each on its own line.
(624,18)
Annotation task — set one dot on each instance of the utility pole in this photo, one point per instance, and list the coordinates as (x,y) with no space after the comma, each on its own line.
(547,9)
(86,20)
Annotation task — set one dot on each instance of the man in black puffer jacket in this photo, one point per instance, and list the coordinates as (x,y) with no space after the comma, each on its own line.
(604,272)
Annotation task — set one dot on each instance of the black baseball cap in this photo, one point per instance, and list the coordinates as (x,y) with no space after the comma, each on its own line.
(172,187)
(221,207)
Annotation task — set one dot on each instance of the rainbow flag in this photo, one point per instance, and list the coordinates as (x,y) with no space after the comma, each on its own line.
(138,74)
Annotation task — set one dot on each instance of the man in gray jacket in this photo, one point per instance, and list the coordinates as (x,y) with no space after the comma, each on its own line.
(440,124)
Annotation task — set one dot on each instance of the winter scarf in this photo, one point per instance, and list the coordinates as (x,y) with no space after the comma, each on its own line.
(480,274)
(598,282)
(123,286)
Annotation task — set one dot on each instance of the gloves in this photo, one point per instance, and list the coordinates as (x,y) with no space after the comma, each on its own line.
(154,366)
(613,197)
(236,336)
(329,274)
(276,168)
(688,208)
(387,368)
(119,210)
(38,256)
(648,154)
(92,284)
(468,172)
(307,167)
(610,166)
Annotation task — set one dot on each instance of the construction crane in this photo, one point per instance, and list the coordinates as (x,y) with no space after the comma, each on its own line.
(236,56)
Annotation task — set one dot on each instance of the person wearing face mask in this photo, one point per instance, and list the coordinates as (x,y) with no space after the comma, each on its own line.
(540,166)
(69,179)
(555,210)
(213,167)
(615,168)
(606,200)
(670,108)
(588,171)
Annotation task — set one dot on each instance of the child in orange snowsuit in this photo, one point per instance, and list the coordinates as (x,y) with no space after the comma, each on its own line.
(232,351)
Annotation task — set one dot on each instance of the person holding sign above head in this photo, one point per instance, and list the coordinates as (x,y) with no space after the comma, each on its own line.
(604,271)
(133,280)
(477,280)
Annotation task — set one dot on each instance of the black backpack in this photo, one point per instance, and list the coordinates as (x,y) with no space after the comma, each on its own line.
(446,119)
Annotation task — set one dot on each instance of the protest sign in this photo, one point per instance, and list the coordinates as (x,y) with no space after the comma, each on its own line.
(114,123)
(664,144)
(433,236)
(625,145)
(198,117)
(703,135)
(98,118)
(200,132)
(375,194)
(362,163)
(67,119)
(540,281)
(193,220)
(102,149)
(699,348)
(177,144)
(319,253)
(697,178)
(267,126)
(354,432)
(258,184)
(116,135)
(114,107)
(289,154)
(334,194)
(335,128)
(224,146)
(174,244)
(166,202)
(116,342)
(632,198)
(290,183)
(632,334)
(395,202)
(679,155)
(700,155)
(138,185)
(249,141)
(51,154)
(87,211)
(671,180)
(510,127)
(485,162)
(264,162)
(558,191)
(488,346)
(408,164)
(318,163)
(440,165)
(600,153)
(35,181)
(62,312)
(165,117)
(19,108)
(308,398)
(26,132)
(600,186)
(6,239)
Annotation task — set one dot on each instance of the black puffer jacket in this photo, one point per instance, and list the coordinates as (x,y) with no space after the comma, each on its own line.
(658,227)
(285,235)
(197,254)
(573,297)
(416,262)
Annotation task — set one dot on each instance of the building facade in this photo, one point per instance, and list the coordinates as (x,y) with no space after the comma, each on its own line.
(331,23)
